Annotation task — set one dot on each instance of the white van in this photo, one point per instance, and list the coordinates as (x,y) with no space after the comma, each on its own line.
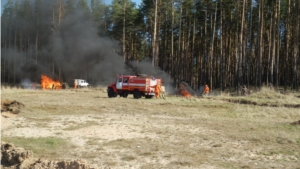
(80,83)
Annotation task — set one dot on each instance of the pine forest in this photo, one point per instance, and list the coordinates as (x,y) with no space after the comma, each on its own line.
(222,43)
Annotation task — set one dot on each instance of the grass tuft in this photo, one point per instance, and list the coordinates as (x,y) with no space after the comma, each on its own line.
(128,158)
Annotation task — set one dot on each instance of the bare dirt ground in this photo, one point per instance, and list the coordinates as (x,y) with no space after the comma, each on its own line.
(152,133)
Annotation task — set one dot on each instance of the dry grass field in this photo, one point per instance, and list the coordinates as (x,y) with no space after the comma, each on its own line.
(219,131)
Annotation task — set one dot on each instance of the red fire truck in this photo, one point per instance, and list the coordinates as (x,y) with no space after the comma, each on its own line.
(139,86)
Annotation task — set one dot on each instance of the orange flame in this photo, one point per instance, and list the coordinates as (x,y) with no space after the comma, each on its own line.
(48,83)
(183,91)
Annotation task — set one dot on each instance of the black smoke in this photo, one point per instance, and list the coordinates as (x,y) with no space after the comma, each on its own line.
(145,67)
(74,50)
(80,53)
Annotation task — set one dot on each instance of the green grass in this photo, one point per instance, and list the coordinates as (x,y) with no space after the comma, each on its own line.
(45,147)
(297,140)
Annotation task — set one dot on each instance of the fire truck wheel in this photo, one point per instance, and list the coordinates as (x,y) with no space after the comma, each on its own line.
(136,94)
(111,93)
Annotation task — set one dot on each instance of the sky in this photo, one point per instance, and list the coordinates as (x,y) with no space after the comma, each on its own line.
(138,2)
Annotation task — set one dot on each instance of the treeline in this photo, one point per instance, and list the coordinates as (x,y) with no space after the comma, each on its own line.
(223,43)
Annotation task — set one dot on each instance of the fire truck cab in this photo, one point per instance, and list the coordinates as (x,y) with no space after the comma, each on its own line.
(139,86)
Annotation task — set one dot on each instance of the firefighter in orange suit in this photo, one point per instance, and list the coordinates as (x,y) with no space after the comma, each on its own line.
(157,91)
(206,90)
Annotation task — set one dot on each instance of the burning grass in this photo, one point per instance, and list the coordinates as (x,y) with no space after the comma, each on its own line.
(48,83)
(207,132)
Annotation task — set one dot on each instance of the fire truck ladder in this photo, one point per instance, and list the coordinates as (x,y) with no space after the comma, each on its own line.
(147,86)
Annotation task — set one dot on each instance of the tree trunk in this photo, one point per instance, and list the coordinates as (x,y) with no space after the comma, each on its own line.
(249,60)
(274,43)
(204,66)
(221,49)
(241,44)
(278,45)
(157,42)
(287,45)
(124,32)
(165,61)
(172,41)
(193,47)
(269,51)
(15,58)
(212,48)
(261,44)
(154,57)
(296,43)
(179,44)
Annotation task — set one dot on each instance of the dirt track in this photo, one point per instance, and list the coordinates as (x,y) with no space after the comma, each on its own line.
(171,133)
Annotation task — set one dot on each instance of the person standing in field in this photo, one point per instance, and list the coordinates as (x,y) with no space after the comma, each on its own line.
(162,91)
(157,90)
(244,91)
(33,86)
(206,90)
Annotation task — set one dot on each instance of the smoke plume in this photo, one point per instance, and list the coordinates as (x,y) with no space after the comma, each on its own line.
(74,50)
(79,53)
(145,67)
